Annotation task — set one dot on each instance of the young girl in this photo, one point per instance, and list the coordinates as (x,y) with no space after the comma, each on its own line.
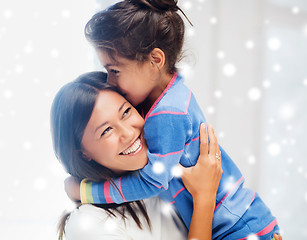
(78,110)
(139,43)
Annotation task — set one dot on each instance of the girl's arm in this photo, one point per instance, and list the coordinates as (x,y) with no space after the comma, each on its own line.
(202,182)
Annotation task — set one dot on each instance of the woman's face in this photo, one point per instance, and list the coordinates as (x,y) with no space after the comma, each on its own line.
(114,135)
(137,81)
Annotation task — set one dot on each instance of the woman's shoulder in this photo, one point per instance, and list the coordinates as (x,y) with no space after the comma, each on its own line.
(93,223)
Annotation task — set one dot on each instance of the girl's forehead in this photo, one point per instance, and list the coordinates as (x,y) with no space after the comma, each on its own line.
(108,60)
(104,56)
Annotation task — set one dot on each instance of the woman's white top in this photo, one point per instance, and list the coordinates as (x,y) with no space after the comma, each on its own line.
(93,223)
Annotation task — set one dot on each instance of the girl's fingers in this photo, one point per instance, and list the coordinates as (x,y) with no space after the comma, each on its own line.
(203,139)
(277,237)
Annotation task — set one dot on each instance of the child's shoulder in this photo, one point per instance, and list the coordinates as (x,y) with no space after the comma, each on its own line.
(177,97)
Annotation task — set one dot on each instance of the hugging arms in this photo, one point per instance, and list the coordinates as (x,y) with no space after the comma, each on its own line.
(139,43)
(78,111)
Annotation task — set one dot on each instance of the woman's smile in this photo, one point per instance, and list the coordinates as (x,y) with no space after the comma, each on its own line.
(134,148)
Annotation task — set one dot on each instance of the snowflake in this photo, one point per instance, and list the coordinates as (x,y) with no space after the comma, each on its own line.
(40,184)
(229,183)
(220,55)
(254,94)
(166,208)
(70,206)
(7,94)
(19,68)
(210,110)
(218,93)
(221,135)
(66,13)
(251,159)
(213,20)
(266,84)
(276,68)
(27,145)
(274,149)
(274,44)
(176,171)
(110,225)
(300,169)
(286,111)
(54,53)
(252,237)
(190,32)
(295,10)
(158,167)
(28,48)
(271,121)
(229,69)
(274,191)
(189,132)
(250,44)
(8,13)
(85,222)
(187,5)
(289,127)
(16,182)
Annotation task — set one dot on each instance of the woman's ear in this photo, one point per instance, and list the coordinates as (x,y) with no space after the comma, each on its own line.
(157,58)
(85,156)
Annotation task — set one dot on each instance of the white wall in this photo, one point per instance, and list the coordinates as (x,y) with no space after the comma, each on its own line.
(246,63)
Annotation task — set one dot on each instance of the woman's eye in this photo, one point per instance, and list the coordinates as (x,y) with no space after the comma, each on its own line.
(105,131)
(126,111)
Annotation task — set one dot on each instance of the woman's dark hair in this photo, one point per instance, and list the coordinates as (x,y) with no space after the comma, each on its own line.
(70,112)
(133,28)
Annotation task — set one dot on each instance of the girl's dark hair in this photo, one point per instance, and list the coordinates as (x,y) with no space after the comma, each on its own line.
(70,112)
(133,28)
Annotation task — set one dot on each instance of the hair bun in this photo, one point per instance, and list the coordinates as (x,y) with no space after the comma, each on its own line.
(158,5)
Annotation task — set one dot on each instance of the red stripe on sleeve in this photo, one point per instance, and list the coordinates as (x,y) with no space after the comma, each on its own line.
(107,195)
(120,189)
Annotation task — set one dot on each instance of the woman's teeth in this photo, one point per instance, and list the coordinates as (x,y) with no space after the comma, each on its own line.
(133,148)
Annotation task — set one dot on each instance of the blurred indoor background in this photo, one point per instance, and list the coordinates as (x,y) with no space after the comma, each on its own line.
(245,60)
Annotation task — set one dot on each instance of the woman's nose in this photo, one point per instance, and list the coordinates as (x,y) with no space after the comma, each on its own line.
(127,133)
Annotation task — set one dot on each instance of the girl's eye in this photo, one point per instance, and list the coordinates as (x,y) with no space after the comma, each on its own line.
(105,131)
(127,111)
(114,71)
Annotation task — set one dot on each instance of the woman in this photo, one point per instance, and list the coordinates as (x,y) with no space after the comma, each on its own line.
(79,114)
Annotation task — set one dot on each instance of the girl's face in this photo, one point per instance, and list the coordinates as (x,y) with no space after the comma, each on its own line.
(114,134)
(137,81)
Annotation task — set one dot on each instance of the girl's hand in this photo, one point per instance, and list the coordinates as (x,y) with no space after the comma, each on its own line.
(72,188)
(277,237)
(202,180)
